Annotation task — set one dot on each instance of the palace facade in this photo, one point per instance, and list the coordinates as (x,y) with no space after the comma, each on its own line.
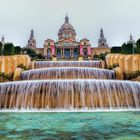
(67,47)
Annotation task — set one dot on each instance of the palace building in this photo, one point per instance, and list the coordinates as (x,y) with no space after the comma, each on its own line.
(67,47)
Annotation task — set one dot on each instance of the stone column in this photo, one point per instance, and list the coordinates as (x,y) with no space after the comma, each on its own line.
(63,53)
(61,50)
(72,52)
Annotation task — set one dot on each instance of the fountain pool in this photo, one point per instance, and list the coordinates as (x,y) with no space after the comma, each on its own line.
(69,101)
(65,126)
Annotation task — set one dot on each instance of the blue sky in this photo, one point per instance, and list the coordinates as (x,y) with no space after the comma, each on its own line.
(118,18)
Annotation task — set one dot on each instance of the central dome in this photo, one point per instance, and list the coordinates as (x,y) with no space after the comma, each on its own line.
(67,31)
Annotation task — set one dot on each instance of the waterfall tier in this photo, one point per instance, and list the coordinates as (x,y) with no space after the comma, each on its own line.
(67,94)
(67,73)
(47,64)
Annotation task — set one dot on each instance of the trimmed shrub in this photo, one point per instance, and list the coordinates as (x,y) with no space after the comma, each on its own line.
(138,47)
(22,67)
(17,50)
(32,53)
(127,48)
(8,49)
(1,48)
(102,56)
(131,75)
(111,67)
(116,49)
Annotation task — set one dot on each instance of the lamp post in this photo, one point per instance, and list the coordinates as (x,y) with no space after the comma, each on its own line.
(3,42)
(3,63)
(133,47)
(2,48)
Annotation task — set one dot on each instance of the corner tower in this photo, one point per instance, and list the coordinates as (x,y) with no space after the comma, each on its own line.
(102,42)
(32,41)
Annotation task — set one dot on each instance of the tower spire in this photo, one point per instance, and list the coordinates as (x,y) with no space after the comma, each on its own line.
(32,34)
(102,42)
(66,18)
(131,37)
(101,33)
(131,40)
(2,39)
(32,41)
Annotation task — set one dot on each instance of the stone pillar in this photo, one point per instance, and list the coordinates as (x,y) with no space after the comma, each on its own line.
(63,50)
(72,54)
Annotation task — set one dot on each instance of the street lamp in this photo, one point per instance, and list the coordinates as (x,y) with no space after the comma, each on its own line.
(2,41)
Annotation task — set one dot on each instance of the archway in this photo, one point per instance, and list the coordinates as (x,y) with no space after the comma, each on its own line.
(49,53)
(75,53)
(85,53)
(67,53)
(58,53)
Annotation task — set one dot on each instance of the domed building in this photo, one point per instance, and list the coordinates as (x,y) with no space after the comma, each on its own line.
(67,31)
(68,48)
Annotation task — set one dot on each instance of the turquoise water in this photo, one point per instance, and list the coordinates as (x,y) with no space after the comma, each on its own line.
(73,126)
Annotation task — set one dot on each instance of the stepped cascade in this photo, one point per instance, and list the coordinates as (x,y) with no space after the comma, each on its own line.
(67,94)
(69,85)
(67,73)
(47,64)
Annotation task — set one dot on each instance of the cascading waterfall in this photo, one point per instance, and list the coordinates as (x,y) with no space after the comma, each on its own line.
(47,64)
(67,73)
(68,94)
(69,85)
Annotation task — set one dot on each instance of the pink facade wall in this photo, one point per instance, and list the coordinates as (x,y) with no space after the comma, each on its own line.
(53,50)
(89,50)
(81,50)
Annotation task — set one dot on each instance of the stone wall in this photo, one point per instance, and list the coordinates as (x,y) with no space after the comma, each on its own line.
(127,63)
(8,64)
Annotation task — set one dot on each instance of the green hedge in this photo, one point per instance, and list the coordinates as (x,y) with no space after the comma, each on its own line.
(1,48)
(127,48)
(32,53)
(116,49)
(17,50)
(8,49)
(138,47)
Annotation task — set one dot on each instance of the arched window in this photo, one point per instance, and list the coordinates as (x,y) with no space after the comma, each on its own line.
(49,53)
(85,43)
(67,53)
(75,53)
(58,53)
(67,35)
(85,52)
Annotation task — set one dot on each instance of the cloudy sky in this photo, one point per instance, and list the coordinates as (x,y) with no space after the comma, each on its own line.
(118,18)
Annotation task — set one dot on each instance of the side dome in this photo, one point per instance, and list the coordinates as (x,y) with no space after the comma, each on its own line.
(67,31)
